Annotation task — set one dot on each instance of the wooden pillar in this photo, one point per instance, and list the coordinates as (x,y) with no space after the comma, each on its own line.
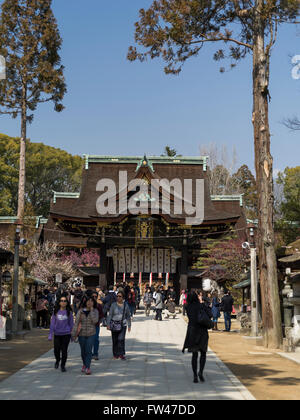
(103,267)
(184,268)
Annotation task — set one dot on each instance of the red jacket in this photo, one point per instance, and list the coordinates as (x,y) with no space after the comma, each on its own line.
(131,298)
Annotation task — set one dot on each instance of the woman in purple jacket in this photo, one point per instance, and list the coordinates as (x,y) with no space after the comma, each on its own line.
(61,327)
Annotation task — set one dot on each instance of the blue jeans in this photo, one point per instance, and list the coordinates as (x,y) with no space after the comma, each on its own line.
(227,318)
(96,342)
(131,307)
(86,345)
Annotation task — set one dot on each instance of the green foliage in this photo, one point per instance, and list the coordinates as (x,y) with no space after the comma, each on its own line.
(289,223)
(9,175)
(30,41)
(245,182)
(170,152)
(176,30)
(48,169)
(290,180)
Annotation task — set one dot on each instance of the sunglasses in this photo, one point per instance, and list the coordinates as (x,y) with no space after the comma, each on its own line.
(120,296)
(63,301)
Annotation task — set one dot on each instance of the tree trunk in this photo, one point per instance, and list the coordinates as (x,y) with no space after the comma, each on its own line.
(272,324)
(21,192)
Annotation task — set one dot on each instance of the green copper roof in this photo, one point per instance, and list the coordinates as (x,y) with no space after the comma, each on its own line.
(64,195)
(145,163)
(40,220)
(235,197)
(180,160)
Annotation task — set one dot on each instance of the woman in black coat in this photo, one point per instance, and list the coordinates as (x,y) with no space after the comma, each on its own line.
(197,336)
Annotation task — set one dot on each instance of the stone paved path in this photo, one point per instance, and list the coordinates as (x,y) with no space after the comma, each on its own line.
(155,369)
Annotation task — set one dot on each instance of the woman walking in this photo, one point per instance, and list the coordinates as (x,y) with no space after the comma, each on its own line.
(215,311)
(95,349)
(118,320)
(85,329)
(61,327)
(131,302)
(159,305)
(199,315)
(42,307)
(182,301)
(148,301)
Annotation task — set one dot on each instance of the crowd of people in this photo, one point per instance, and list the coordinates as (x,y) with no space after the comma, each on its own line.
(160,299)
(225,305)
(76,315)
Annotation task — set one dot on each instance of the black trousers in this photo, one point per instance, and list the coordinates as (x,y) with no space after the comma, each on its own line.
(158,314)
(61,344)
(41,315)
(118,341)
(195,362)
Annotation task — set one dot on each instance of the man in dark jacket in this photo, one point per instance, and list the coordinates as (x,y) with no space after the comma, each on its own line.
(78,295)
(171,294)
(226,307)
(107,302)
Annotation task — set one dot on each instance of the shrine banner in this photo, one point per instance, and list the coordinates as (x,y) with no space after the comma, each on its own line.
(173,265)
(144,260)
(115,259)
(134,268)
(121,261)
(161,261)
(147,266)
(128,260)
(167,267)
(141,260)
(154,260)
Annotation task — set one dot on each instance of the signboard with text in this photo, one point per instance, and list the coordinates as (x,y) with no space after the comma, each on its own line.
(58,278)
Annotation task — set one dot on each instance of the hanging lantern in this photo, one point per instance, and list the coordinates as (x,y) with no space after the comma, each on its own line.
(6,277)
(160,275)
(132,275)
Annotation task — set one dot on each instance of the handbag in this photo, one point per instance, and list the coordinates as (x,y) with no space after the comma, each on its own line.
(204,321)
(116,326)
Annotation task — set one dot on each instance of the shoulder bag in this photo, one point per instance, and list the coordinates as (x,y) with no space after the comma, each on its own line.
(203,320)
(116,326)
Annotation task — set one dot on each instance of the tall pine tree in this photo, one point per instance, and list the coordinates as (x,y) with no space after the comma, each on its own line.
(30,43)
(177,30)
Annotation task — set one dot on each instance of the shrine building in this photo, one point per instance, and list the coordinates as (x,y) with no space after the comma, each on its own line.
(134,244)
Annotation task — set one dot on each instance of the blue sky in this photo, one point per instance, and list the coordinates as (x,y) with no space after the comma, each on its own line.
(120,108)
